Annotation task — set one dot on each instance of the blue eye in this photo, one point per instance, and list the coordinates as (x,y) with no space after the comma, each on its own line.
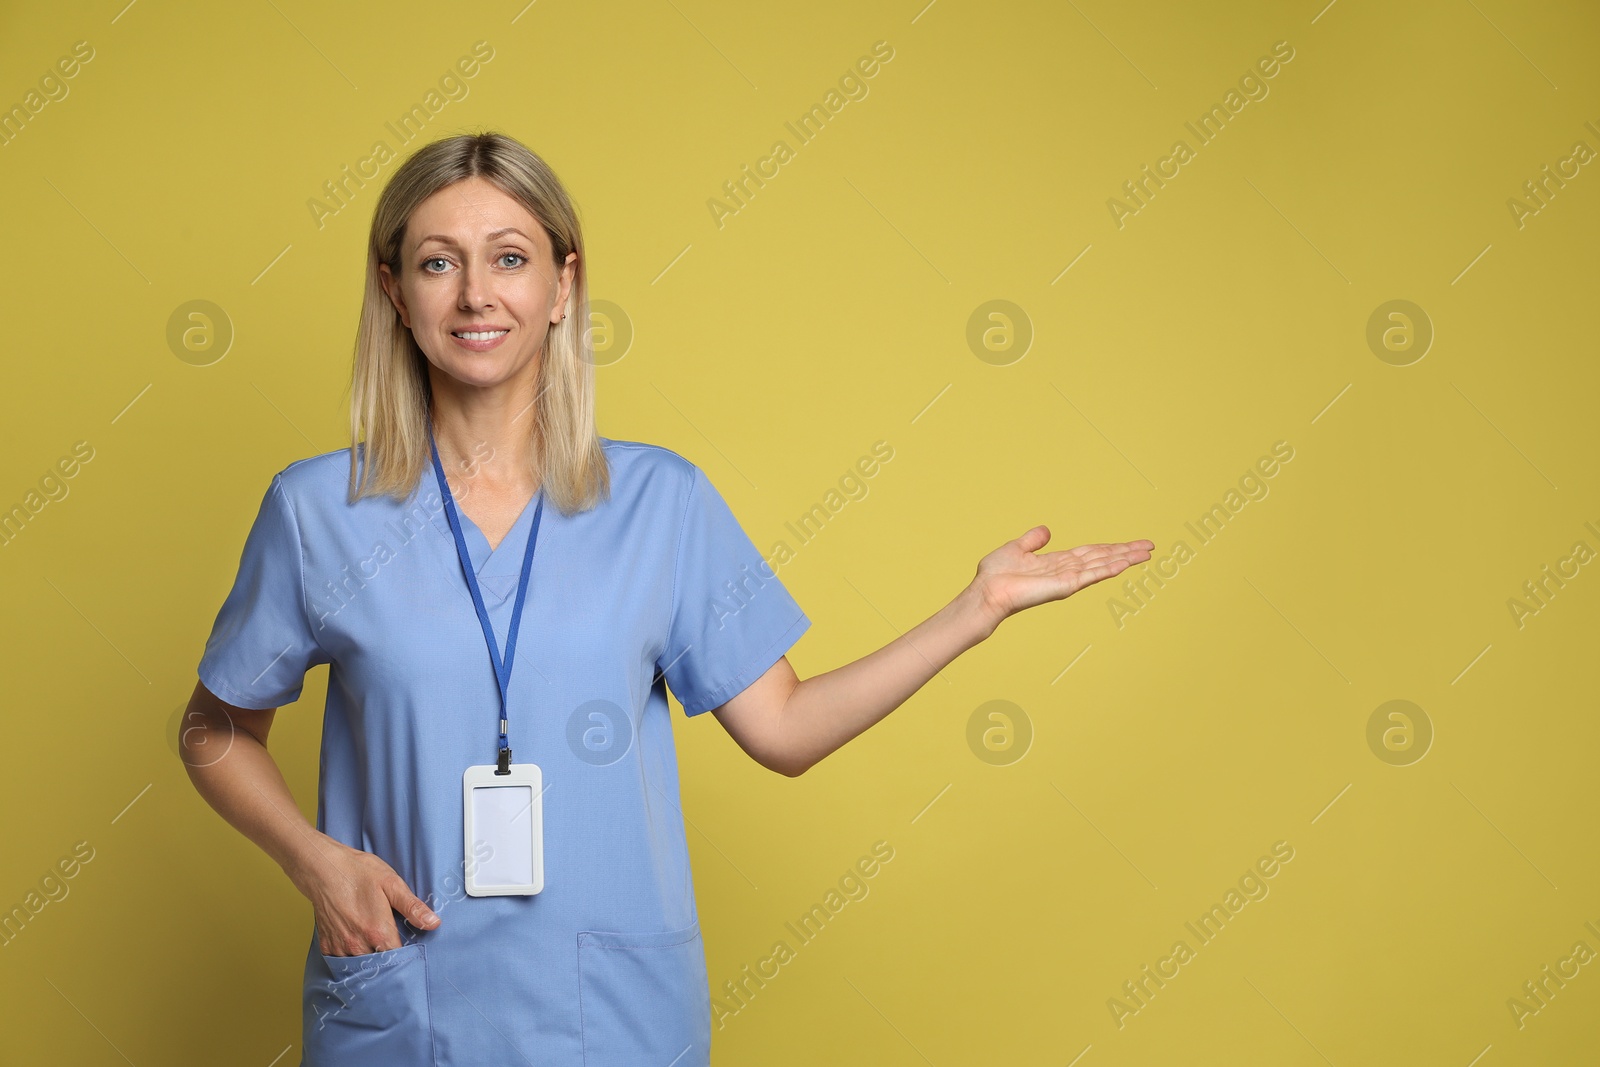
(440,259)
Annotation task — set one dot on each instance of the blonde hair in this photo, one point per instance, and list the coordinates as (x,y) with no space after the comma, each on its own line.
(390,395)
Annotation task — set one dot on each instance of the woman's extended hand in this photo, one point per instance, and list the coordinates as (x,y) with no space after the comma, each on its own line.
(1012,578)
(354,895)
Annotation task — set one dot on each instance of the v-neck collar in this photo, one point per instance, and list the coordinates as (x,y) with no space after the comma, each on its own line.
(499,568)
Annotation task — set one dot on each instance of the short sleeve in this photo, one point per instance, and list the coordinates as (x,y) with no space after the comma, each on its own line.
(261,644)
(731,616)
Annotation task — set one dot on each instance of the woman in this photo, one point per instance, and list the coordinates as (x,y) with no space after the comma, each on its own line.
(399,560)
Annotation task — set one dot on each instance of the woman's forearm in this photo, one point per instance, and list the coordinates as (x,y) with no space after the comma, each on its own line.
(247,789)
(825,711)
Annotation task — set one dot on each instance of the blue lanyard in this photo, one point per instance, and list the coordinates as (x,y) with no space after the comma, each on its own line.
(502,670)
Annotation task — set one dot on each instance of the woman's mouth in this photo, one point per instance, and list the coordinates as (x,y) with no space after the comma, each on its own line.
(478,340)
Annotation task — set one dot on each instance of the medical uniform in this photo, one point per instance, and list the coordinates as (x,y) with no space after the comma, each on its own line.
(657,586)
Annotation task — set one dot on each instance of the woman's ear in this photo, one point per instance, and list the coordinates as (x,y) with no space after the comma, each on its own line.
(564,291)
(392,288)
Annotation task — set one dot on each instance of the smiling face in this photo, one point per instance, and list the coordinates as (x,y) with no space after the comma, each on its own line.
(477,285)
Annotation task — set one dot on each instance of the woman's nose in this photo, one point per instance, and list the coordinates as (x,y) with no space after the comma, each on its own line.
(474,285)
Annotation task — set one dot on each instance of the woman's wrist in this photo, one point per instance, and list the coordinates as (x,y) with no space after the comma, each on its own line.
(314,850)
(979,610)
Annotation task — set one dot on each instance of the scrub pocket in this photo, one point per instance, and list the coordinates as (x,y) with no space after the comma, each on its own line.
(369,1010)
(644,999)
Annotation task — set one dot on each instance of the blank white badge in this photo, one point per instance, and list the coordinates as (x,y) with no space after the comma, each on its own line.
(504,831)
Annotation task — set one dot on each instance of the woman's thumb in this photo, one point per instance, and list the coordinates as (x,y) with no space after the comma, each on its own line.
(416,912)
(1034,539)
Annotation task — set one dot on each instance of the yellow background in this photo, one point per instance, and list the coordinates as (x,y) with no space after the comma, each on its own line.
(830,312)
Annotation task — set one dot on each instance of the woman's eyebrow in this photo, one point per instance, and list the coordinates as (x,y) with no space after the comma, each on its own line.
(442,238)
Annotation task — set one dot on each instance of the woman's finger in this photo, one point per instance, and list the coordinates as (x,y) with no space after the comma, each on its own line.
(407,904)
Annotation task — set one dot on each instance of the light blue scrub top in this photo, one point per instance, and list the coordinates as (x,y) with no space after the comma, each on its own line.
(657,586)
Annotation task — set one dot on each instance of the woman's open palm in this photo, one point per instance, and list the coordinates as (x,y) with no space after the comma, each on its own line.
(1012,577)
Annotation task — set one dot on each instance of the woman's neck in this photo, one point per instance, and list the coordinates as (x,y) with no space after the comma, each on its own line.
(485,431)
